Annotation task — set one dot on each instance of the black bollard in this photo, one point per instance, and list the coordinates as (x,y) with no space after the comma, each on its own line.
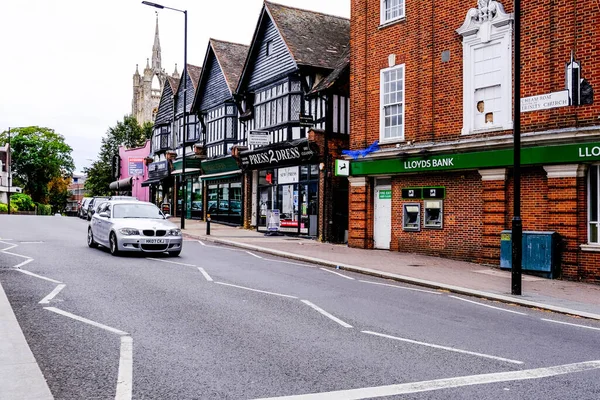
(208,225)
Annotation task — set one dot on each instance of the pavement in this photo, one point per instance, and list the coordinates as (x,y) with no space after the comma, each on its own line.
(21,377)
(488,282)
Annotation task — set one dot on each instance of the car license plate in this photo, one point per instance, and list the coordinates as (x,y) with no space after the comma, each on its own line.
(155,241)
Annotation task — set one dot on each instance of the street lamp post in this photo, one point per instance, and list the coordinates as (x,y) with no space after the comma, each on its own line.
(183,181)
(517,223)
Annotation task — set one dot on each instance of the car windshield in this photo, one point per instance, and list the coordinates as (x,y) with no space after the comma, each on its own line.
(136,211)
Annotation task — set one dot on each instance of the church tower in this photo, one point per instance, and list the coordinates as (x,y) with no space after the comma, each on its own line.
(147,87)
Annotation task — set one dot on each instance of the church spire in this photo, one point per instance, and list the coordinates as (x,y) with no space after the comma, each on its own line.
(156,62)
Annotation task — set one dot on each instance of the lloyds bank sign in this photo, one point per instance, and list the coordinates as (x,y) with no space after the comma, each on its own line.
(539,155)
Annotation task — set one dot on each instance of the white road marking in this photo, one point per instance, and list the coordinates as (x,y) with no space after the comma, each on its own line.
(400,287)
(10,246)
(486,305)
(567,323)
(290,262)
(87,321)
(256,290)
(170,262)
(125,374)
(53,293)
(337,273)
(15,254)
(208,278)
(23,263)
(325,313)
(435,346)
(38,276)
(30,242)
(448,383)
(201,242)
(254,255)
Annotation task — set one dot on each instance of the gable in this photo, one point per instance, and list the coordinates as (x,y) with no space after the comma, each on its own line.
(214,90)
(263,69)
(165,107)
(189,98)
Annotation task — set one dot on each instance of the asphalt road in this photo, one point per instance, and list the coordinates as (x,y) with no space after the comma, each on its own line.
(225,323)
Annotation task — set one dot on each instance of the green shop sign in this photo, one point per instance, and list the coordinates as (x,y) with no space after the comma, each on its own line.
(189,163)
(385,194)
(224,164)
(570,153)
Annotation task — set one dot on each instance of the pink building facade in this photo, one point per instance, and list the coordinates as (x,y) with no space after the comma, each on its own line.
(134,169)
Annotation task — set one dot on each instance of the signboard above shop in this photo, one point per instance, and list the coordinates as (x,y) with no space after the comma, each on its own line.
(259,138)
(296,152)
(136,166)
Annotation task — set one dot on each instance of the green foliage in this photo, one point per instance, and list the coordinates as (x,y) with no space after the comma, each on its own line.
(22,201)
(4,208)
(58,193)
(38,155)
(126,133)
(44,209)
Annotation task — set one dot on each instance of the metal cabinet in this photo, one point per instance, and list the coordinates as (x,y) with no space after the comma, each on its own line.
(541,252)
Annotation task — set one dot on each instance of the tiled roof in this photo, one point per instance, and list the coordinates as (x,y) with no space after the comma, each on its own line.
(342,66)
(314,38)
(194,72)
(174,82)
(231,57)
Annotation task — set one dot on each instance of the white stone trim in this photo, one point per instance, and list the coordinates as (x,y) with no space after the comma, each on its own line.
(357,181)
(496,174)
(590,247)
(565,170)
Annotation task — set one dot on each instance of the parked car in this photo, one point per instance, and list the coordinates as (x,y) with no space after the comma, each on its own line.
(136,226)
(83,207)
(122,198)
(91,209)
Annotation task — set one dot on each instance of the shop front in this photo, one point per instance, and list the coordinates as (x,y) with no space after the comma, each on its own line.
(192,174)
(222,181)
(286,183)
(159,182)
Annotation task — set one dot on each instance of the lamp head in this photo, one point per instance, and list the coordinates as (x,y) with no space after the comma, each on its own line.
(148,3)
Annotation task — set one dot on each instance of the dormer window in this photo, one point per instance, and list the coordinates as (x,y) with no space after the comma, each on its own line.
(269,48)
(391,10)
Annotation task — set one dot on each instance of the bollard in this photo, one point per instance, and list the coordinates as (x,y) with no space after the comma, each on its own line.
(208,225)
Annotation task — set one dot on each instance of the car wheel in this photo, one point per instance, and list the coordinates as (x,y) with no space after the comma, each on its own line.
(90,239)
(114,247)
(175,253)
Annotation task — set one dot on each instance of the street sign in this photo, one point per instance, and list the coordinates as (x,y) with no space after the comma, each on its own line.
(545,101)
(306,120)
(259,138)
(342,168)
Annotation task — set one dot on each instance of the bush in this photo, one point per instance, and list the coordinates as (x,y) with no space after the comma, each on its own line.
(44,209)
(4,208)
(22,201)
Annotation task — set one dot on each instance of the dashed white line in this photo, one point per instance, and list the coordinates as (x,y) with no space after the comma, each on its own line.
(435,346)
(206,276)
(170,262)
(337,273)
(125,373)
(448,383)
(400,287)
(201,242)
(52,294)
(487,305)
(31,242)
(290,262)
(325,313)
(86,321)
(567,323)
(23,263)
(256,290)
(254,255)
(38,276)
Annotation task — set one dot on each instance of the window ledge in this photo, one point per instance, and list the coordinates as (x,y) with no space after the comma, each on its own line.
(590,247)
(496,128)
(392,22)
(391,141)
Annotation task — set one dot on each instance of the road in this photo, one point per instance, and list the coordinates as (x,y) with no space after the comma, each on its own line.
(225,323)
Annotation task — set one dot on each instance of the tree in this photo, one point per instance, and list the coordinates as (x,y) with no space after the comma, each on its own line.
(58,193)
(126,133)
(38,155)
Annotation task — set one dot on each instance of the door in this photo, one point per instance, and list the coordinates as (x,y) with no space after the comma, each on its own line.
(382,230)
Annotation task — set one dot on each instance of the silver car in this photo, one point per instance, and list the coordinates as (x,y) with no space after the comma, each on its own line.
(131,225)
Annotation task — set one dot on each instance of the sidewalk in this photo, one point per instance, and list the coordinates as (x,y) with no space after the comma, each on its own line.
(565,297)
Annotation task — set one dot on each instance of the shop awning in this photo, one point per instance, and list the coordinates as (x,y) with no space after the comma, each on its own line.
(122,184)
(149,182)
(188,171)
(218,177)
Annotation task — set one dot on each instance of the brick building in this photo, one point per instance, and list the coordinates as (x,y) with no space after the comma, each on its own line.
(434,85)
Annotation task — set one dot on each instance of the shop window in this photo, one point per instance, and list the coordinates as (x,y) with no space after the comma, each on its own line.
(433,214)
(593,204)
(411,217)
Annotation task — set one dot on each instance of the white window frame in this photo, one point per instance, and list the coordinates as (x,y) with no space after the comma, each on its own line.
(382,106)
(382,13)
(590,205)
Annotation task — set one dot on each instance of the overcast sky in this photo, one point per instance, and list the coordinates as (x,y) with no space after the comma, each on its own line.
(68,64)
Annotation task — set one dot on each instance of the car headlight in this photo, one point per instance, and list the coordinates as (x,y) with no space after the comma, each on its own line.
(129,231)
(175,232)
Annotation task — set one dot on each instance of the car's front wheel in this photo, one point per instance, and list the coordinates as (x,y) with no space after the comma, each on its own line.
(175,253)
(90,238)
(114,247)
